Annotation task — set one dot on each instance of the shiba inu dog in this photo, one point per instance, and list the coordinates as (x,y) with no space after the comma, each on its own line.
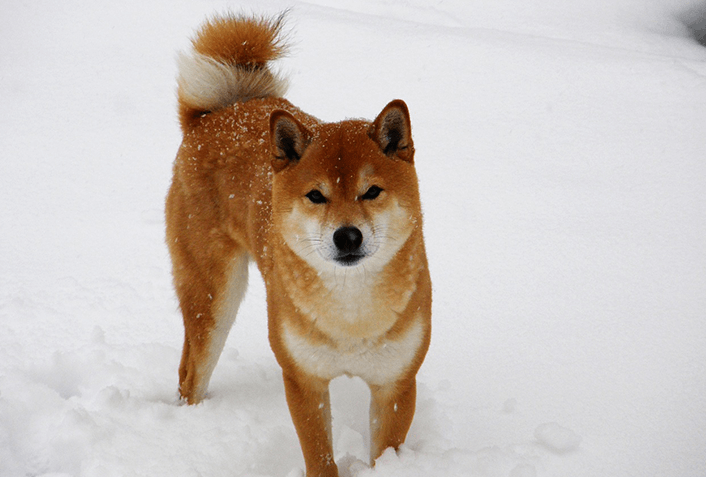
(330,213)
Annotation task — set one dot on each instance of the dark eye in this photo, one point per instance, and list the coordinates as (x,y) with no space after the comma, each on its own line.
(372,193)
(316,197)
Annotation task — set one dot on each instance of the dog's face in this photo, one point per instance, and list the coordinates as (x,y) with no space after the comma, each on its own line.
(346,194)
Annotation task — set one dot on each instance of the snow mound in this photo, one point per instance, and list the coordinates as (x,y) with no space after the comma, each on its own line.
(557,438)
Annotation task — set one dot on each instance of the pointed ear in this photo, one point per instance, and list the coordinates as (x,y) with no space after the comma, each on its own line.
(289,139)
(392,131)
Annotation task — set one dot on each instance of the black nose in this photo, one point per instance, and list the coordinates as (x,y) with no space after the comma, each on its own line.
(347,239)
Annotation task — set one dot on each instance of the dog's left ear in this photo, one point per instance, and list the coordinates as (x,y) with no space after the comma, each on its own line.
(289,139)
(392,131)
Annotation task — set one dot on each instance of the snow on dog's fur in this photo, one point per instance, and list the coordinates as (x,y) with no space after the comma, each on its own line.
(330,213)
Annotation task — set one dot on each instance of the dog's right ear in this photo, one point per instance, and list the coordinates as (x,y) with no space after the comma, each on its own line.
(289,139)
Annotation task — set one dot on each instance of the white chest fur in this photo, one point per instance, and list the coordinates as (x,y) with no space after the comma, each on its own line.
(376,361)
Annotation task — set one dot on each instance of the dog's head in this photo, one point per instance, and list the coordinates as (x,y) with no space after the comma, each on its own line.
(345,194)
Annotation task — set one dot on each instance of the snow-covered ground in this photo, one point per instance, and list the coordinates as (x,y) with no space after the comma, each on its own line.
(561,149)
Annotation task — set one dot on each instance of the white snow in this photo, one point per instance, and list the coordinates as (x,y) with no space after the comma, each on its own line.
(562,159)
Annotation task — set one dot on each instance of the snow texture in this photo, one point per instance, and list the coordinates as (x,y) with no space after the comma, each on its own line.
(561,155)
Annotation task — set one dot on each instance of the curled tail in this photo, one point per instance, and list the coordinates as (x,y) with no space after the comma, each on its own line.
(229,63)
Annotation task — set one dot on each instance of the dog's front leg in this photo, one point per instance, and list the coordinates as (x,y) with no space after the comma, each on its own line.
(391,413)
(310,407)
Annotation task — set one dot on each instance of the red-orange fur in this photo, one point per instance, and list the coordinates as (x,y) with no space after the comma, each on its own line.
(240,174)
(250,42)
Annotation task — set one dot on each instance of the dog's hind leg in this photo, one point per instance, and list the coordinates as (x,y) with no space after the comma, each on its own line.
(209,305)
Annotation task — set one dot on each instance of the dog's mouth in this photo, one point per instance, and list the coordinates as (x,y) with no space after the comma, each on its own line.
(350,259)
